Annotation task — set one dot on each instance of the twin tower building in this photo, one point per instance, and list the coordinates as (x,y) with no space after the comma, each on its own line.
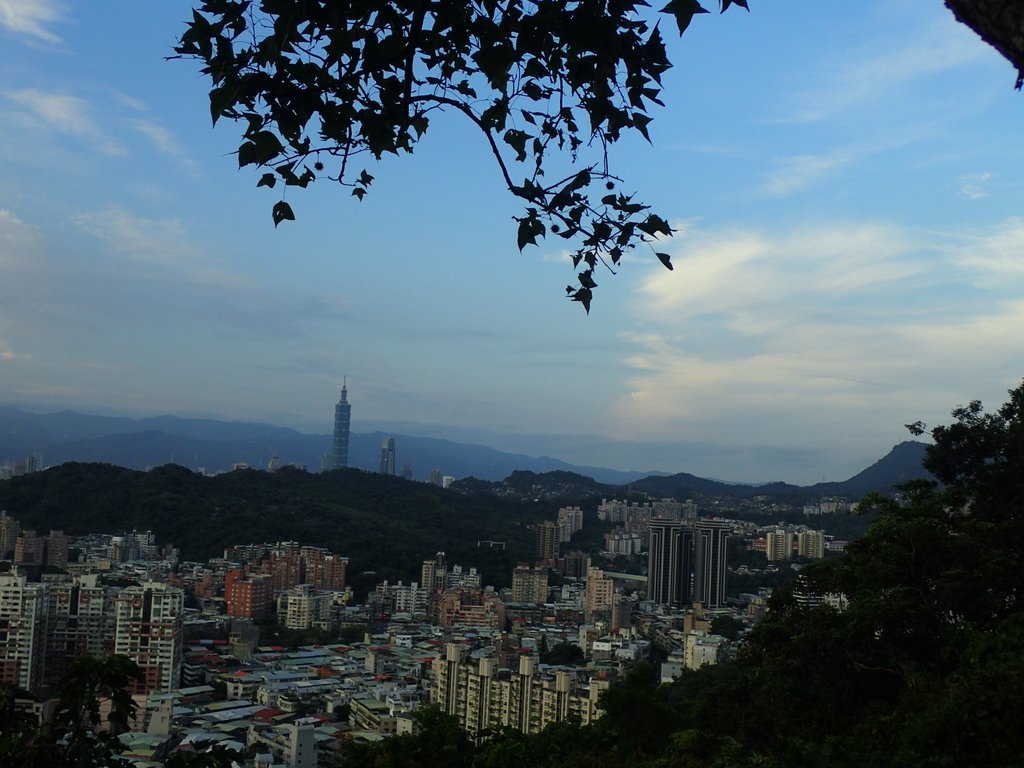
(687,562)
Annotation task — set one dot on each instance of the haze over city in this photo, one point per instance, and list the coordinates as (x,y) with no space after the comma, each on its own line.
(844,178)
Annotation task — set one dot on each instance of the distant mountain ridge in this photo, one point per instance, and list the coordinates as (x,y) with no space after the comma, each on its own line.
(217,445)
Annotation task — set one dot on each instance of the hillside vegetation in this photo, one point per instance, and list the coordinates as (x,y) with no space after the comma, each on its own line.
(923,668)
(381,523)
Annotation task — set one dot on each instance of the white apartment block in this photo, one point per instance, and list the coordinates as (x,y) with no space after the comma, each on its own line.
(570,520)
(302,608)
(811,544)
(780,545)
(22,631)
(487,699)
(147,629)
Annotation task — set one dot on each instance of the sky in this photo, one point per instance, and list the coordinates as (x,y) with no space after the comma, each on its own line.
(845,180)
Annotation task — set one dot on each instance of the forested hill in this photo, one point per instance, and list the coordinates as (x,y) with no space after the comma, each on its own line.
(383,523)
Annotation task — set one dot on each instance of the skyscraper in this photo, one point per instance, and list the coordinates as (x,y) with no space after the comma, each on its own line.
(387,456)
(709,573)
(670,563)
(342,422)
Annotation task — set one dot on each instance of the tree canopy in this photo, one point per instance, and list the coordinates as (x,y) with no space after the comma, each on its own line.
(551,85)
(920,668)
(320,88)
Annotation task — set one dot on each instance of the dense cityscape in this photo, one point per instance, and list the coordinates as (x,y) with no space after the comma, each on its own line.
(268,647)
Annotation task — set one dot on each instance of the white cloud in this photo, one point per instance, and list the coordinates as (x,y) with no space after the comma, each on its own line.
(797,173)
(886,66)
(165,142)
(17,240)
(739,274)
(772,338)
(993,260)
(973,186)
(31,18)
(66,114)
(162,241)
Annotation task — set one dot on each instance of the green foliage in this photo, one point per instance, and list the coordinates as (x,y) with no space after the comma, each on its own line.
(549,84)
(78,735)
(384,524)
(567,654)
(922,668)
(726,626)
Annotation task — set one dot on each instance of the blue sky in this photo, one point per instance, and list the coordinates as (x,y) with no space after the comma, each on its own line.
(846,179)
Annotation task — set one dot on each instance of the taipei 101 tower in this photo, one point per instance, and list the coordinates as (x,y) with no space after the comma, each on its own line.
(342,421)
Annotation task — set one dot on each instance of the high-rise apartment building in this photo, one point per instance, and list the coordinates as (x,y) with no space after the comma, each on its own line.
(342,425)
(811,544)
(57,545)
(324,569)
(461,578)
(23,629)
(248,596)
(710,564)
(387,456)
(486,699)
(600,596)
(433,572)
(147,629)
(470,608)
(9,530)
(779,545)
(529,585)
(570,520)
(301,608)
(30,549)
(670,563)
(80,622)
(547,540)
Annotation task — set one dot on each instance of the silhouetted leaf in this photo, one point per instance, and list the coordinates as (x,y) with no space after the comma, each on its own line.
(282,212)
(683,11)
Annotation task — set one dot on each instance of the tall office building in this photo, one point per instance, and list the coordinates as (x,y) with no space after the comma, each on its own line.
(670,563)
(711,553)
(342,424)
(387,456)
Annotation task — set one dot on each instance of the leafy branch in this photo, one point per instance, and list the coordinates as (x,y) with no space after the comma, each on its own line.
(547,82)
